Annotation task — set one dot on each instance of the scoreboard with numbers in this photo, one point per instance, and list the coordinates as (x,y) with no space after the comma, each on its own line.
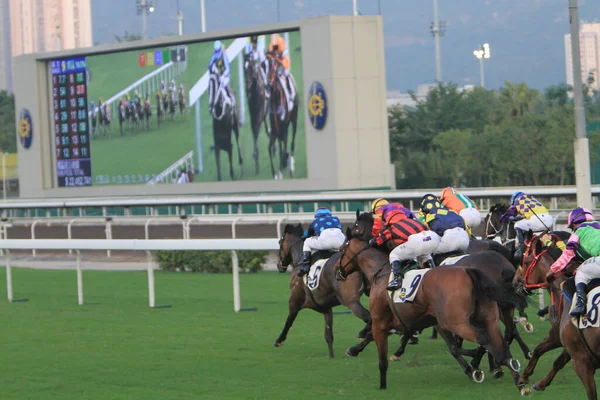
(70,117)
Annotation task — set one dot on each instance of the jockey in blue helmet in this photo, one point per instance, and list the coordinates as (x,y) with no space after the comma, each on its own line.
(324,233)
(219,67)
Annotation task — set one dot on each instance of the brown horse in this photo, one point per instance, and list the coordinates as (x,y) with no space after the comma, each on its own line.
(583,346)
(328,294)
(257,101)
(471,313)
(279,126)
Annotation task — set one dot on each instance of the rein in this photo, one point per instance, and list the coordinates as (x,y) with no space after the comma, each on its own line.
(340,271)
(290,248)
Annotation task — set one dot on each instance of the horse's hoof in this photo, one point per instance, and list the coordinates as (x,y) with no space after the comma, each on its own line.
(394,357)
(478,376)
(525,391)
(515,365)
(528,327)
(361,336)
(498,373)
(278,344)
(537,388)
(413,340)
(529,355)
(350,353)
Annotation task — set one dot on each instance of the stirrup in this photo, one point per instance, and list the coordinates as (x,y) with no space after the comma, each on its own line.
(394,284)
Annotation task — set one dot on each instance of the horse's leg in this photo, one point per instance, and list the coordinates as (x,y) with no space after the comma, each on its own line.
(328,315)
(434,334)
(230,163)
(356,350)
(550,342)
(453,346)
(380,334)
(403,342)
(218,158)
(586,371)
(271,149)
(236,131)
(294,305)
(358,310)
(559,363)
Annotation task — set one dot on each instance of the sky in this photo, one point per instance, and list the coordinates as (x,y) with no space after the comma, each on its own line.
(526,37)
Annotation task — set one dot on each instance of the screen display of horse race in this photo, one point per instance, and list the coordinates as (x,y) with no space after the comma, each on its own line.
(222,110)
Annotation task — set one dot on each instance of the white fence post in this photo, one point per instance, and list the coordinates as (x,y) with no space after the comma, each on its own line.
(9,288)
(235,270)
(79,279)
(150,280)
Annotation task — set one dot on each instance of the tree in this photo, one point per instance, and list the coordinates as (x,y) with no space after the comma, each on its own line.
(557,96)
(128,37)
(8,128)
(453,149)
(518,99)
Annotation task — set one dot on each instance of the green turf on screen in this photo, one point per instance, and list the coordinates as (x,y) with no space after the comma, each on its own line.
(53,349)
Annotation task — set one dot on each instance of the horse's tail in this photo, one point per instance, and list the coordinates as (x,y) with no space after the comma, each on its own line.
(484,288)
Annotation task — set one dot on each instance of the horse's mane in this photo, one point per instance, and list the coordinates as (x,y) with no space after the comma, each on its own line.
(499,207)
(292,229)
(366,217)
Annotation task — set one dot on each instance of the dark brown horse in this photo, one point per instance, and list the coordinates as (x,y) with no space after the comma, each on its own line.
(279,126)
(257,101)
(470,313)
(328,294)
(582,346)
(225,120)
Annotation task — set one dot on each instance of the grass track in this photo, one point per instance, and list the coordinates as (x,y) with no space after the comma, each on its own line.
(53,349)
(150,152)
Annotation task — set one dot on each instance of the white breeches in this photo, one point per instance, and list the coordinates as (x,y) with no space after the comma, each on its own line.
(417,245)
(330,239)
(471,216)
(452,240)
(536,223)
(587,271)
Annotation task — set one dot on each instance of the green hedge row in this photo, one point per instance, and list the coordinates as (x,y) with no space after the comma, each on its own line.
(216,262)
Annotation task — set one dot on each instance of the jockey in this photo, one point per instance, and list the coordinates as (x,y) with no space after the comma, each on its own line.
(458,202)
(324,233)
(256,48)
(173,86)
(379,207)
(219,66)
(181,89)
(163,86)
(449,225)
(278,48)
(530,214)
(585,242)
(408,239)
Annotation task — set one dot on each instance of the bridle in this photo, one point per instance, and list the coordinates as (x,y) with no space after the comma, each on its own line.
(489,224)
(536,257)
(288,252)
(341,275)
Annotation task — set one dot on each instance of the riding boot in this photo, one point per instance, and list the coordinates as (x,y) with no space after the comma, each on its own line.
(581,300)
(518,257)
(429,263)
(397,270)
(305,264)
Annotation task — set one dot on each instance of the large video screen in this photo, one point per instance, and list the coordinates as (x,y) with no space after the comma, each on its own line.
(222,110)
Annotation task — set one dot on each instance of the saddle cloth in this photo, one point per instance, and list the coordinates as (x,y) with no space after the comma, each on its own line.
(453,260)
(311,280)
(410,286)
(591,318)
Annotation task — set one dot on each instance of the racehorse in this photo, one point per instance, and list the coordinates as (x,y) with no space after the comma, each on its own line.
(172,105)
(257,102)
(495,266)
(122,114)
(225,119)
(181,103)
(328,294)
(538,256)
(503,232)
(159,109)
(471,313)
(279,127)
(165,100)
(147,112)
(104,118)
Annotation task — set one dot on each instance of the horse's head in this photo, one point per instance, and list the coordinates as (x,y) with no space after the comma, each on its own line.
(291,237)
(249,69)
(540,253)
(493,226)
(349,251)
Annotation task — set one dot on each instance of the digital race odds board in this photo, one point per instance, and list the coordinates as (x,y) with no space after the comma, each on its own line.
(70,117)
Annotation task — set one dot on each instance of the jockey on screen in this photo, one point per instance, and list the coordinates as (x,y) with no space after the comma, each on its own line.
(458,202)
(277,47)
(449,225)
(530,214)
(324,233)
(219,67)
(585,243)
(406,237)
(256,49)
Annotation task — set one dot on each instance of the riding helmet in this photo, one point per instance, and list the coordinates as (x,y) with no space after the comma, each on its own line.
(579,215)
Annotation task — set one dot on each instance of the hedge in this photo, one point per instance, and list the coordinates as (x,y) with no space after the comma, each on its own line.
(217,262)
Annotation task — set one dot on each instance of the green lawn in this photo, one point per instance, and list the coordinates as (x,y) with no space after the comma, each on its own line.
(53,349)
(150,152)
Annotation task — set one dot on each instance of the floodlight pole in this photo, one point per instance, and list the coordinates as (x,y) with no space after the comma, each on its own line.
(203,16)
(581,146)
(436,36)
(355,7)
(481,73)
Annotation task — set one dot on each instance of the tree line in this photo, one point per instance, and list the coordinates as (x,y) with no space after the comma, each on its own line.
(514,136)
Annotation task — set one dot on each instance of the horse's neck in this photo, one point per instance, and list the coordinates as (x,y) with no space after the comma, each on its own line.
(296,252)
(372,262)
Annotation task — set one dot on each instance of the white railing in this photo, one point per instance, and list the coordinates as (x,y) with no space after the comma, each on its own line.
(171,173)
(410,196)
(140,245)
(201,86)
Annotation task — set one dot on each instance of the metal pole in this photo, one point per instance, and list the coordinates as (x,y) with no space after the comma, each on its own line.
(203,16)
(144,13)
(180,23)
(436,36)
(278,11)
(4,186)
(9,286)
(355,7)
(151,298)
(581,146)
(79,279)
(481,74)
(379,7)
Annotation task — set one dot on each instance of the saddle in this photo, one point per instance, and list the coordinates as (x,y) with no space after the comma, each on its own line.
(321,255)
(439,258)
(568,287)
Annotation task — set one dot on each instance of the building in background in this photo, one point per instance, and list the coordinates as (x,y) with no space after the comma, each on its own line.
(589,37)
(5,48)
(49,25)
